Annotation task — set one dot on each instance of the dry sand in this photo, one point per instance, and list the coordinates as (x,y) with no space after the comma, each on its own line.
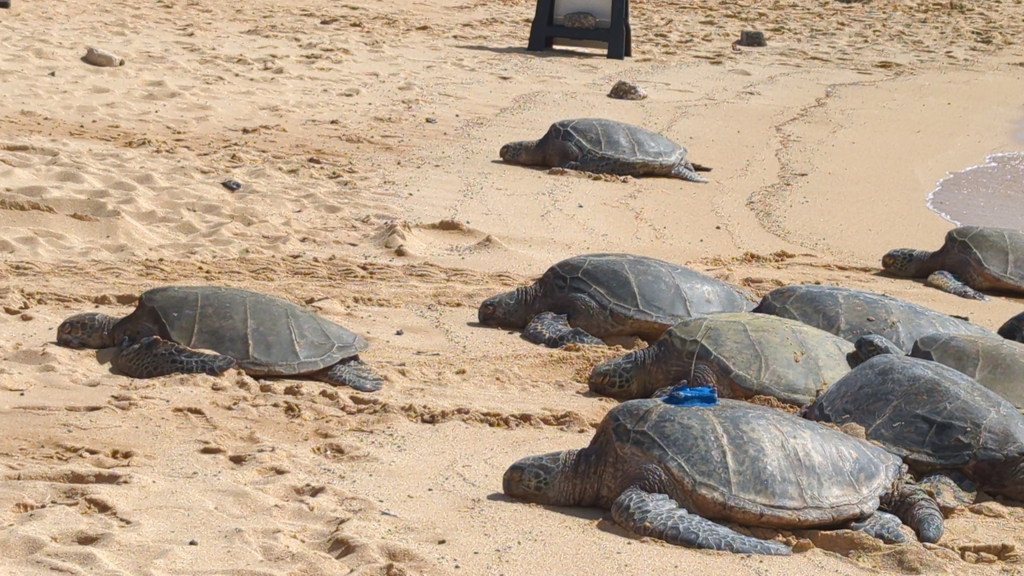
(365,134)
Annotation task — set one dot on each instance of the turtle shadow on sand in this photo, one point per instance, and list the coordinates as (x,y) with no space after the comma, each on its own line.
(575,512)
(107,356)
(548,53)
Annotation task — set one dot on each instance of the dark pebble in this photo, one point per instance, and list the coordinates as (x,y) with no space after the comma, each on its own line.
(399,332)
(193,542)
(232,185)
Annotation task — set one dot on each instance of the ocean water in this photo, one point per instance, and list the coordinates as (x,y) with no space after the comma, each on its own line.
(990,194)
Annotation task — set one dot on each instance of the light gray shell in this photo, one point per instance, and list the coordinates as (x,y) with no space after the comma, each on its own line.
(996,363)
(850,314)
(748,463)
(757,354)
(644,294)
(265,334)
(605,141)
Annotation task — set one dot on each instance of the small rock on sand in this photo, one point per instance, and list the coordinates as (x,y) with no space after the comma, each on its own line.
(624,90)
(98,57)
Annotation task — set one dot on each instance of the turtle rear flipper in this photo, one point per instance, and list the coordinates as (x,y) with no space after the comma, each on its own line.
(352,372)
(917,509)
(659,516)
(553,331)
(688,172)
(948,283)
(881,525)
(153,356)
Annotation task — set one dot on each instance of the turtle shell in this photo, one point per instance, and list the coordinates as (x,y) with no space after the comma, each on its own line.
(265,334)
(752,354)
(643,296)
(601,141)
(994,255)
(746,463)
(850,314)
(931,415)
(996,363)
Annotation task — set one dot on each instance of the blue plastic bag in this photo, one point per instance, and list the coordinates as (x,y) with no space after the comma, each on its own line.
(683,395)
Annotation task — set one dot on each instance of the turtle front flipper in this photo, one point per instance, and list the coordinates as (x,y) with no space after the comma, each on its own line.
(659,516)
(950,489)
(352,372)
(553,331)
(687,172)
(881,525)
(916,509)
(948,283)
(153,356)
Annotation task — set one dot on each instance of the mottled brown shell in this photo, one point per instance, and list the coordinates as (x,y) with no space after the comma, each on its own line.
(747,463)
(757,354)
(993,255)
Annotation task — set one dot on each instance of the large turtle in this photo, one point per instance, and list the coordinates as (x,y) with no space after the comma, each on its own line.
(738,354)
(974,259)
(996,363)
(260,334)
(850,313)
(605,147)
(597,296)
(672,471)
(934,417)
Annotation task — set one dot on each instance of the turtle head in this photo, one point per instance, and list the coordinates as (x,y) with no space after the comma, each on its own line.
(906,262)
(543,479)
(622,377)
(871,345)
(508,310)
(522,152)
(89,330)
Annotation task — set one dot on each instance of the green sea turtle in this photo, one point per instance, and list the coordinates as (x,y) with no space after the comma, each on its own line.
(597,296)
(996,363)
(673,472)
(605,147)
(739,354)
(260,334)
(974,259)
(934,417)
(850,314)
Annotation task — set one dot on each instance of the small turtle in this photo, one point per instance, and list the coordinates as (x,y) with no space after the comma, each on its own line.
(935,418)
(260,334)
(973,260)
(597,296)
(1013,329)
(850,314)
(740,355)
(674,472)
(605,147)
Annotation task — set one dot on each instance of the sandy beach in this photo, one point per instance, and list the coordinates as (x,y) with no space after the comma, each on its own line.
(365,135)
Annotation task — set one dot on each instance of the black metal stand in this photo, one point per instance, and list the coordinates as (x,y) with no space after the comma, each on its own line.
(618,36)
